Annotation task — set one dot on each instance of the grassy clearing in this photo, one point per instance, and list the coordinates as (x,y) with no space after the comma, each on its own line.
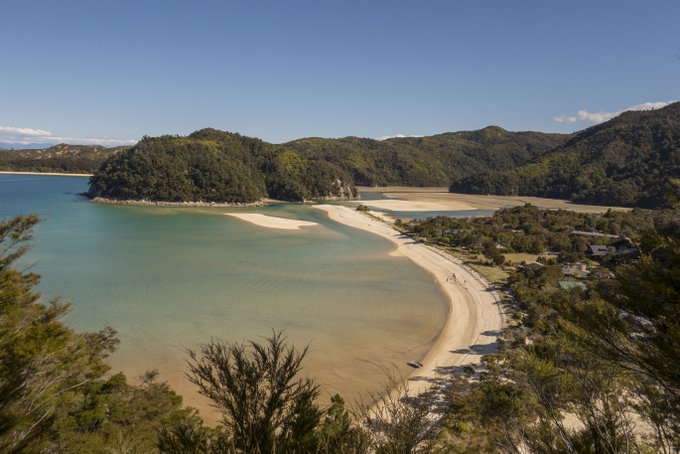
(519,257)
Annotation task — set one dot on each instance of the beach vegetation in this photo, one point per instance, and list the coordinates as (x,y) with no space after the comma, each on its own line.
(590,369)
(396,421)
(263,402)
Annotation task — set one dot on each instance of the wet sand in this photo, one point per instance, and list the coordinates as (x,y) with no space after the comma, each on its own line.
(474,318)
(417,199)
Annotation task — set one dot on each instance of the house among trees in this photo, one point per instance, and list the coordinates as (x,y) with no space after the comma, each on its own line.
(600,250)
(621,247)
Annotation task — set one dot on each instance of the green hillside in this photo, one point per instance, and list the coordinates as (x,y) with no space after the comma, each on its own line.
(629,160)
(429,161)
(216,166)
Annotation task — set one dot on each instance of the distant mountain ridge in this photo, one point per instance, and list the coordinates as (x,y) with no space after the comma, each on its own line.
(430,160)
(411,161)
(24,146)
(57,158)
(630,160)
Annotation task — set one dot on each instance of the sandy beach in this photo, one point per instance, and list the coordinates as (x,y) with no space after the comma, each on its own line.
(401,198)
(53,174)
(474,318)
(272,222)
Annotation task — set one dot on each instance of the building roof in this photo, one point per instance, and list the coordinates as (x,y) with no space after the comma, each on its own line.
(598,250)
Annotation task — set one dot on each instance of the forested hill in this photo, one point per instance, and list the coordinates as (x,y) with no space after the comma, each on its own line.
(58,158)
(429,161)
(630,160)
(413,161)
(216,166)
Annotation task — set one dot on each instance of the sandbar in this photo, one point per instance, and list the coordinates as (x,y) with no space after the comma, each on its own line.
(474,320)
(272,222)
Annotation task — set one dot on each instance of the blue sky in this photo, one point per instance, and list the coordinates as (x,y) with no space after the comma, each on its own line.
(281,70)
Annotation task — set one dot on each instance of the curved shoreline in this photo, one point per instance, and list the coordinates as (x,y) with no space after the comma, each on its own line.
(474,318)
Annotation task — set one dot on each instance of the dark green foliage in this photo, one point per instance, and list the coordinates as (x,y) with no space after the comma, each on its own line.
(337,433)
(429,161)
(42,362)
(180,169)
(598,356)
(421,161)
(264,405)
(216,166)
(53,393)
(116,415)
(627,161)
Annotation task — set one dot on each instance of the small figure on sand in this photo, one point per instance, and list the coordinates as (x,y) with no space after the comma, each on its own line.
(453,277)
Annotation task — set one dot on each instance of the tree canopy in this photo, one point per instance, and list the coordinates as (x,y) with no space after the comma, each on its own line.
(629,160)
(216,166)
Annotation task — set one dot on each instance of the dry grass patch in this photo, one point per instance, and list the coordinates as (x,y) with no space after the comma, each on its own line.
(519,257)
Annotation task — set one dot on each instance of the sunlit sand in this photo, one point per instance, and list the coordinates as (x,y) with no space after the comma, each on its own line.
(474,317)
(272,222)
(402,198)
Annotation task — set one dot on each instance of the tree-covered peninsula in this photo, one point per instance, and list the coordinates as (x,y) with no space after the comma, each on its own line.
(216,166)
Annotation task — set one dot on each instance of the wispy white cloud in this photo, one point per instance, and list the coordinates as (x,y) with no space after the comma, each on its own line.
(25,136)
(600,117)
(398,136)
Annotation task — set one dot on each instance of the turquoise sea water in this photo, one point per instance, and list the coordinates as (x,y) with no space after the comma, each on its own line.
(170,278)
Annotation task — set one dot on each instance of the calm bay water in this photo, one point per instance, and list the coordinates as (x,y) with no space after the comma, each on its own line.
(170,278)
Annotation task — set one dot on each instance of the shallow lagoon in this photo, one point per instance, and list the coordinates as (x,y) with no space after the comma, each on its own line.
(170,278)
